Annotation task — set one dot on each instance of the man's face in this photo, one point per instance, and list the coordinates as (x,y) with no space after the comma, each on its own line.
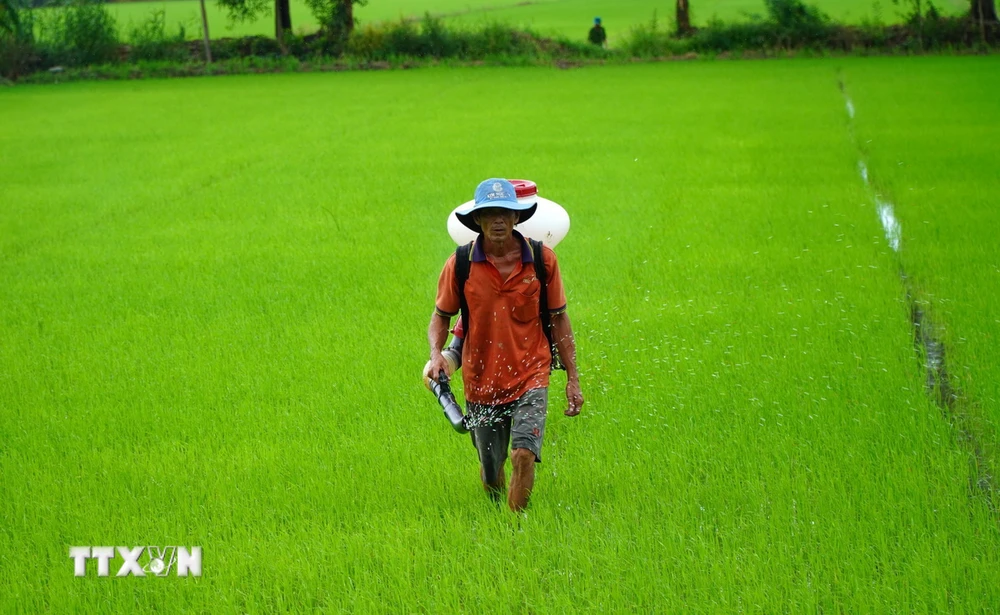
(497,224)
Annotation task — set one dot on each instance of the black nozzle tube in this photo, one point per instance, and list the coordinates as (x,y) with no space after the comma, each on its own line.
(452,411)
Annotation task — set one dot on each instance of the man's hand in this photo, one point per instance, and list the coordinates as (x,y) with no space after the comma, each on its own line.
(437,334)
(435,366)
(574,398)
(563,333)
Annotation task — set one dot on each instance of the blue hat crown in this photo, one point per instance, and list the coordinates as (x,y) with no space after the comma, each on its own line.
(495,192)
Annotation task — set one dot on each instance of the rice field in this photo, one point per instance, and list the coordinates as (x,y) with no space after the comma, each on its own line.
(931,150)
(566,18)
(216,294)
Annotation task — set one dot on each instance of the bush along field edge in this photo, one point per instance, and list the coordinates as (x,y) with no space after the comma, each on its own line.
(81,40)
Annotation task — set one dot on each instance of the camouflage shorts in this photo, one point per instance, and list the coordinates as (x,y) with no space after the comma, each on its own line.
(518,424)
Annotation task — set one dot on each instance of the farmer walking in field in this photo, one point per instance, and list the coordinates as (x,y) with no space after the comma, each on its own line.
(506,354)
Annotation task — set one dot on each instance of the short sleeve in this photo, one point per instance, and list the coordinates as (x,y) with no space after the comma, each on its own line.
(447,303)
(556,295)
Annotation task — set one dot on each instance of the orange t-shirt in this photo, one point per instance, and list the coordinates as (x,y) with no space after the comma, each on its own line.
(505,353)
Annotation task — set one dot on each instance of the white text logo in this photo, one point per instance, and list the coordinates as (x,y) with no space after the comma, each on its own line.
(138,561)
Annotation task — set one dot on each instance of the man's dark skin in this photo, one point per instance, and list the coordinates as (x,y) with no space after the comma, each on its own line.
(504,251)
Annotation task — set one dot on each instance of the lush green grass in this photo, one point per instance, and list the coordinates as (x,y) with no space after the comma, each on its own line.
(568,18)
(932,151)
(213,316)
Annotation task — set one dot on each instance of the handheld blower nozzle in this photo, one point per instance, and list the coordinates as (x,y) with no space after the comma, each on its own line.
(452,411)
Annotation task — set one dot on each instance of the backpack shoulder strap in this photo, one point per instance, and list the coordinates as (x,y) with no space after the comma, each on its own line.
(538,256)
(543,301)
(463,263)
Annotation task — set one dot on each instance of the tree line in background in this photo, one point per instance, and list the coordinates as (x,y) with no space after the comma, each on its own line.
(791,24)
(982,11)
(336,17)
(83,33)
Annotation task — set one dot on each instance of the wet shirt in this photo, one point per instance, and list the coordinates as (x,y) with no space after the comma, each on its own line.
(505,353)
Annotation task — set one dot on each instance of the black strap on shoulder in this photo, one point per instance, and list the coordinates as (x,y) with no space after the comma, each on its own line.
(463,261)
(543,300)
(543,296)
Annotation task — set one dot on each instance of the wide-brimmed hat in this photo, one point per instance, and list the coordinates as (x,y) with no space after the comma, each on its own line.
(499,193)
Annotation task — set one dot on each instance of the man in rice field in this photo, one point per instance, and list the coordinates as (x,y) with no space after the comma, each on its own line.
(506,354)
(597,35)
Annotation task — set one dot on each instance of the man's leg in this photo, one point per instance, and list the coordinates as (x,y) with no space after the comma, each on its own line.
(491,442)
(528,430)
(496,486)
(522,480)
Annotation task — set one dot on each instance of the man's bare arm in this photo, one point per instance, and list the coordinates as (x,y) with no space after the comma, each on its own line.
(437,335)
(562,334)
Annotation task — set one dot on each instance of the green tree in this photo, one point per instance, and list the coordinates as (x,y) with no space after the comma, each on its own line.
(250,10)
(336,19)
(17,39)
(10,22)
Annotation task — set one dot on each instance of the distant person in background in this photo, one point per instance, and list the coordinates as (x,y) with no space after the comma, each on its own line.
(597,35)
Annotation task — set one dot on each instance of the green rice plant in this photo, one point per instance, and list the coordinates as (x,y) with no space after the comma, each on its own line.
(214,325)
(935,160)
